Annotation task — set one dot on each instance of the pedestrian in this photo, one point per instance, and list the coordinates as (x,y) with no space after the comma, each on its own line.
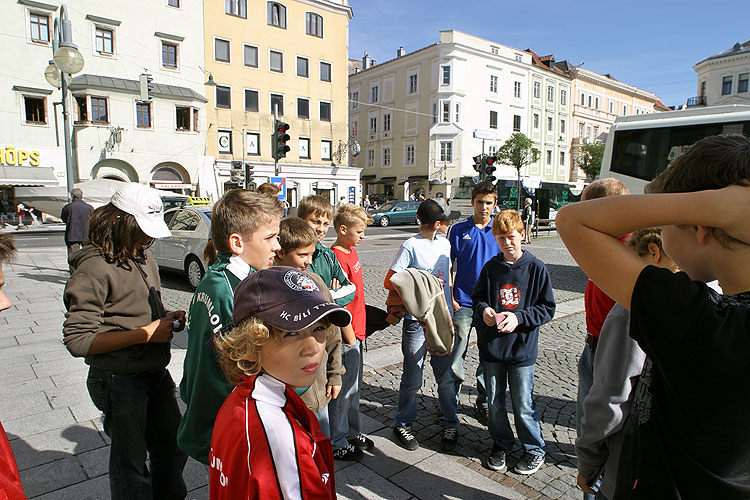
(76,217)
(20,213)
(695,339)
(429,253)
(512,299)
(366,203)
(116,320)
(528,219)
(472,245)
(244,227)
(266,443)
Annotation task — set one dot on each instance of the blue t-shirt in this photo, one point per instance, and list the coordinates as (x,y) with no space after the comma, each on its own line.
(471,248)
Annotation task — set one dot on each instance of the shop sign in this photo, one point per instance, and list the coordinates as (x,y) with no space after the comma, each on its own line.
(12,157)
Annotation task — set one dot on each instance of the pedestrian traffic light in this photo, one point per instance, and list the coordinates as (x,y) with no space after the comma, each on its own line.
(146,87)
(478,164)
(489,168)
(279,138)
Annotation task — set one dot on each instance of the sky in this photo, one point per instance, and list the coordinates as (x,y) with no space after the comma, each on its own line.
(651,45)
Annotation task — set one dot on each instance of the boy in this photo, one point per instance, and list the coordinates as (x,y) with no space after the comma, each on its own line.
(688,435)
(244,226)
(472,245)
(427,252)
(266,443)
(350,223)
(512,299)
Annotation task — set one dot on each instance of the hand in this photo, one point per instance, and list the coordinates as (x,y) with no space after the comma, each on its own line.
(332,391)
(489,316)
(335,285)
(584,485)
(508,323)
(456,305)
(180,317)
(159,331)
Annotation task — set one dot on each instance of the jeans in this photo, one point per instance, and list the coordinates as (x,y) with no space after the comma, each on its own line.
(324,421)
(414,348)
(344,410)
(521,382)
(140,416)
(462,321)
(585,381)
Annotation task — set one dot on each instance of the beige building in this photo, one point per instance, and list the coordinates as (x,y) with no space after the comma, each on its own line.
(292,56)
(724,78)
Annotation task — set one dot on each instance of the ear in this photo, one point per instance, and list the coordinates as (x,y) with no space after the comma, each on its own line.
(235,243)
(703,234)
(654,251)
(280,253)
(342,229)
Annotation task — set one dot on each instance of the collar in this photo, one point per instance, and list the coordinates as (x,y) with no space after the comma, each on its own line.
(238,267)
(269,390)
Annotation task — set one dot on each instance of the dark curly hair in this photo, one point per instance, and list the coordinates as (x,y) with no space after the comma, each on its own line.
(117,236)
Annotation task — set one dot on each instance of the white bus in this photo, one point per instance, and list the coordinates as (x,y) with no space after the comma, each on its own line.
(639,147)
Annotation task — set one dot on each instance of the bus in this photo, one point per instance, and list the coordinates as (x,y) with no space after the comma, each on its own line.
(639,147)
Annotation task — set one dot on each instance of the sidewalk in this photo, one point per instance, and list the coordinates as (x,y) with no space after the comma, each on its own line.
(62,452)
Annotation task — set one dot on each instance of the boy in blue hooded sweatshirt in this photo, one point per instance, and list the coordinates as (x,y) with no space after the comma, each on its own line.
(511,300)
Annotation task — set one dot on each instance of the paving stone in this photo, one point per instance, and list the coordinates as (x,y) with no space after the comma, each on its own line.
(59,366)
(95,462)
(40,422)
(195,474)
(16,373)
(23,405)
(198,494)
(52,445)
(27,386)
(93,489)
(359,482)
(52,476)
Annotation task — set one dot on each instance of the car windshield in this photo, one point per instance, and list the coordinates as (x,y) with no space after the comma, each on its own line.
(385,208)
(207,213)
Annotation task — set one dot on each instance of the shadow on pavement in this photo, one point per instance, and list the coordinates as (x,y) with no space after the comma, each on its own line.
(567,277)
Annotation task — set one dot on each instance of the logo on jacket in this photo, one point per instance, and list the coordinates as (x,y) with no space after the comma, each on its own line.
(466,237)
(509,296)
(298,281)
(324,477)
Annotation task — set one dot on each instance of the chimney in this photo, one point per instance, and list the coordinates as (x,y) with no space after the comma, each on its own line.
(366,62)
(401,52)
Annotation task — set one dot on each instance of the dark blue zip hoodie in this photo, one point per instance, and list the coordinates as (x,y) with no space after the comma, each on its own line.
(523,288)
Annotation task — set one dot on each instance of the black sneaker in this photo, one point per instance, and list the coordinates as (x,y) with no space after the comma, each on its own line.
(449,439)
(348,452)
(529,463)
(405,437)
(496,460)
(362,442)
(482,413)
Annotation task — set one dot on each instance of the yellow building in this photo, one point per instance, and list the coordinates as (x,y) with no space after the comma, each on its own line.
(261,55)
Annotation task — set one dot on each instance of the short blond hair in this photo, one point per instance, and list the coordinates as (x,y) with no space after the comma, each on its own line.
(506,222)
(348,215)
(601,188)
(295,233)
(314,205)
(268,188)
(241,211)
(638,241)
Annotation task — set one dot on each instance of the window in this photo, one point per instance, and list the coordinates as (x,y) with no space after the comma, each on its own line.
(169,55)
(223,97)
(276,15)
(325,111)
(386,157)
(625,109)
(374,94)
(314,24)
(458,112)
(549,157)
(413,84)
(596,132)
(104,41)
(39,24)
(516,123)
(611,107)
(562,126)
(325,72)
(303,67)
(434,112)
(277,101)
(550,93)
(518,57)
(143,114)
(493,119)
(99,110)
(590,99)
(537,90)
(355,100)
(304,147)
(495,50)
(703,88)
(446,74)
(550,125)
(251,100)
(446,112)
(562,158)
(325,149)
(536,120)
(493,83)
(583,99)
(81,108)
(174,3)
(596,103)
(182,117)
(236,8)
(563,97)
(250,56)
(580,130)
(252,143)
(370,157)
(409,154)
(225,141)
(303,108)
(354,127)
(726,85)
(373,125)
(35,110)
(742,83)
(221,50)
(276,61)
(446,151)
(386,122)
(517,89)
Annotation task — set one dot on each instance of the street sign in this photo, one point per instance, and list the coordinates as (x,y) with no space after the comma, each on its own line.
(281,182)
(488,135)
(352,195)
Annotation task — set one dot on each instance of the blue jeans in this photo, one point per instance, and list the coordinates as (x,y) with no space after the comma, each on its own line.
(585,381)
(414,348)
(140,415)
(462,321)
(323,420)
(521,382)
(344,410)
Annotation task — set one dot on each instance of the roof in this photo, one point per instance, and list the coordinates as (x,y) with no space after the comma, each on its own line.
(661,106)
(548,62)
(84,82)
(737,48)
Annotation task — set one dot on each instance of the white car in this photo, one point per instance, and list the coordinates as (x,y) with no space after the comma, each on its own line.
(183,251)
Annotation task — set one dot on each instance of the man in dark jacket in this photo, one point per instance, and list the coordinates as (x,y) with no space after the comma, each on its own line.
(76,217)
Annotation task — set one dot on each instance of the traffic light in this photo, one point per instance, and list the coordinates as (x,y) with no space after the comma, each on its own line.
(279,138)
(146,87)
(478,164)
(489,168)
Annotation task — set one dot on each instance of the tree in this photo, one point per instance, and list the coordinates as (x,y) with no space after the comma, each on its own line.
(518,151)
(590,160)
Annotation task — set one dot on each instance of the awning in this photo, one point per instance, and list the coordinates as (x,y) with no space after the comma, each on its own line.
(417,178)
(28,176)
(383,180)
(366,177)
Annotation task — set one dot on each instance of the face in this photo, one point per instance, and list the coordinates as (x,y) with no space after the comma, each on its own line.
(679,244)
(259,248)
(319,223)
(298,258)
(5,302)
(510,245)
(444,226)
(483,205)
(294,359)
(351,235)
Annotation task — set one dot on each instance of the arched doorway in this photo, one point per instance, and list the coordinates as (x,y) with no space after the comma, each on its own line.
(171,177)
(114,169)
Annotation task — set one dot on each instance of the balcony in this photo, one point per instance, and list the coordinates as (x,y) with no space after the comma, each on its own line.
(696,101)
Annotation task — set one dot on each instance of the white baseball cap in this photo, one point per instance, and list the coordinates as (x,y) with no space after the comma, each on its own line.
(143,203)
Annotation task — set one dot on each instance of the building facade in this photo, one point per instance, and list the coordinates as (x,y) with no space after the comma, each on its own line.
(724,78)
(291,57)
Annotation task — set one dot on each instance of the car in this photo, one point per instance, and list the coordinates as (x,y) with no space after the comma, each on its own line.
(183,251)
(379,199)
(396,212)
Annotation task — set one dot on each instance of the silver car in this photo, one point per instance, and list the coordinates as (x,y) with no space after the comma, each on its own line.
(183,251)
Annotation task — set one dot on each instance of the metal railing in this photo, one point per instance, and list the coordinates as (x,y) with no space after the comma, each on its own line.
(696,101)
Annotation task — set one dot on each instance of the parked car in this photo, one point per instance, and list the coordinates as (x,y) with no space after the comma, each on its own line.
(396,212)
(183,251)
(379,199)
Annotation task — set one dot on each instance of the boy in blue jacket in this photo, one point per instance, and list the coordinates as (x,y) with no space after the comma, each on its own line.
(511,300)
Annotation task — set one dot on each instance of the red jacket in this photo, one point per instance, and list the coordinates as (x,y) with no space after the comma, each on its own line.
(10,482)
(267,445)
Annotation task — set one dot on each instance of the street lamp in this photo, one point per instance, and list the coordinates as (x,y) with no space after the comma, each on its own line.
(67,61)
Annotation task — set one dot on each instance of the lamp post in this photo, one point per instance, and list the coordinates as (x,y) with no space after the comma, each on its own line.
(67,61)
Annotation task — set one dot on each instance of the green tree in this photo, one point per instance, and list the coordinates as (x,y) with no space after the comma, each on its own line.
(518,151)
(590,160)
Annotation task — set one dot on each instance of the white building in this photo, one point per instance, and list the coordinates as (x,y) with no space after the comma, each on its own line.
(724,78)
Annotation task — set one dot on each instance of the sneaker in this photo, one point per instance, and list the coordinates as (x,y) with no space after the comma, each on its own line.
(348,452)
(362,442)
(449,438)
(496,460)
(405,437)
(483,414)
(529,463)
